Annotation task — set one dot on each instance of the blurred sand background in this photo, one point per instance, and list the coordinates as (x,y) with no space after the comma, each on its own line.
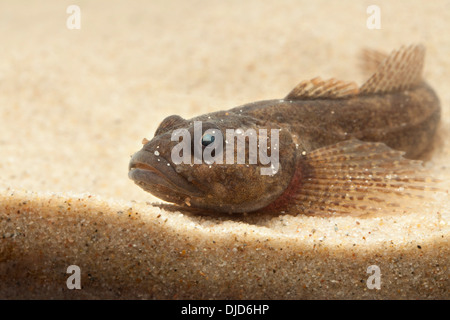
(75,104)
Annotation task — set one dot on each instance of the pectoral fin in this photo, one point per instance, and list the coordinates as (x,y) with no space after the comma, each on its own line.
(359,178)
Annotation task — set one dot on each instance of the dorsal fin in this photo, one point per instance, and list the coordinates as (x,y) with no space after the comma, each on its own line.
(401,70)
(323,89)
(370,60)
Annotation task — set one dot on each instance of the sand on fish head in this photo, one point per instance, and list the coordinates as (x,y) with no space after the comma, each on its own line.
(75,104)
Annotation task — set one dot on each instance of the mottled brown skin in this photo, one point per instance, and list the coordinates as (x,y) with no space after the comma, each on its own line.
(405,121)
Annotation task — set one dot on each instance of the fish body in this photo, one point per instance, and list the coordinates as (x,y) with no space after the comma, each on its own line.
(405,120)
(341,149)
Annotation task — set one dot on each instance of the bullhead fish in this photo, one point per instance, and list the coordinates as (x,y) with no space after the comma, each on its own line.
(341,149)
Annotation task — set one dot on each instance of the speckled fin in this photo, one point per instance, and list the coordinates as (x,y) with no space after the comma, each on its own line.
(401,70)
(370,60)
(360,178)
(323,89)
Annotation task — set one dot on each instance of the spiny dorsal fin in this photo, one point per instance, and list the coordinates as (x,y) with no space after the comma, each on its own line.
(370,60)
(401,70)
(323,89)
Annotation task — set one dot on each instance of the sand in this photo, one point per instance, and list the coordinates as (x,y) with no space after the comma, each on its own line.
(75,104)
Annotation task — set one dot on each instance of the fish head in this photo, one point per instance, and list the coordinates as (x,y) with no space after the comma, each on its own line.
(222,162)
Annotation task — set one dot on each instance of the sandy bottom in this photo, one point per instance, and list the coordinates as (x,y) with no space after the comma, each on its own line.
(75,104)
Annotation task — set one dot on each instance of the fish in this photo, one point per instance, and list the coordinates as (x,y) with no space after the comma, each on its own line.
(342,149)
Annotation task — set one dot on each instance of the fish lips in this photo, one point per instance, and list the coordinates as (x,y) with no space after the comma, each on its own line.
(148,170)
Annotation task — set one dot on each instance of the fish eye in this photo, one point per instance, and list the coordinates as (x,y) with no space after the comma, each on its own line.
(211,135)
(207,139)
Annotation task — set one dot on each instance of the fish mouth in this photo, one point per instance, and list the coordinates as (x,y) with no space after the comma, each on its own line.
(158,176)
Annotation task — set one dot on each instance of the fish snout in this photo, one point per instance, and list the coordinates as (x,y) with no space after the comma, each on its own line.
(150,170)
